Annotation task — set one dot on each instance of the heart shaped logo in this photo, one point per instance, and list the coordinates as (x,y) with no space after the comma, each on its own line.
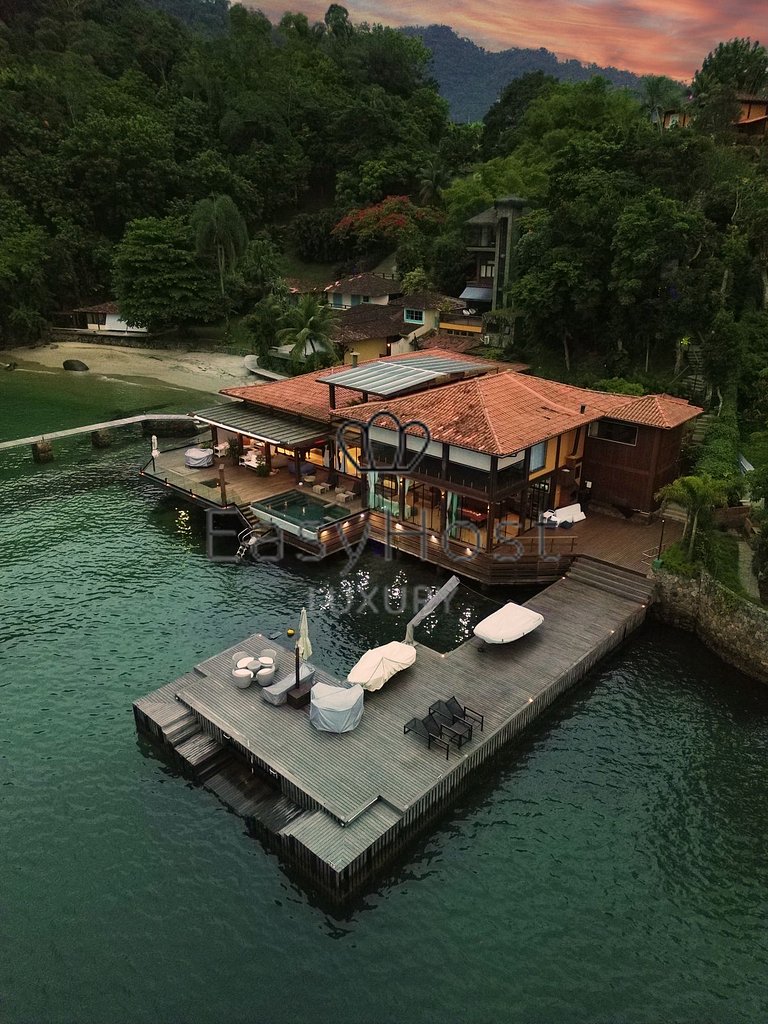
(410,441)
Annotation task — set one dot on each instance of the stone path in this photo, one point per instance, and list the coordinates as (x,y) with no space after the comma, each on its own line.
(746,575)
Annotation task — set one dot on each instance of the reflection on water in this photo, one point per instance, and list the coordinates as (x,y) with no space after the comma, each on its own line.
(609,866)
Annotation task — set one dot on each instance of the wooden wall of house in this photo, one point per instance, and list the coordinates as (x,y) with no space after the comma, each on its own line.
(628,476)
(668,465)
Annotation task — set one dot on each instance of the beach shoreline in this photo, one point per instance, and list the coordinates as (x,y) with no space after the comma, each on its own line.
(197,371)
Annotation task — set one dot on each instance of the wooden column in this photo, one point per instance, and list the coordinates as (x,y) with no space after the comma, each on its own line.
(222,484)
(297,464)
(268,455)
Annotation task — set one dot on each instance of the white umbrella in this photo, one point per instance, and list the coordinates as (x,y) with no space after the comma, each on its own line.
(303,643)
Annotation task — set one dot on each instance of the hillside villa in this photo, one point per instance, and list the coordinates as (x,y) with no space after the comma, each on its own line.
(493,450)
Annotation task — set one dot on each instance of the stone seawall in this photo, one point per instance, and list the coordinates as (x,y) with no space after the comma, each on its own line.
(735,629)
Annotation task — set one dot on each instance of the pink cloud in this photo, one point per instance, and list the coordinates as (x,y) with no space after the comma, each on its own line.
(647,36)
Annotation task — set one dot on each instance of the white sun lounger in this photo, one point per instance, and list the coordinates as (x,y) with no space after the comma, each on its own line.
(507,624)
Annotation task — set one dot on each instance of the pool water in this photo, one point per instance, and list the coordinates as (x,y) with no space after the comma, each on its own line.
(302,508)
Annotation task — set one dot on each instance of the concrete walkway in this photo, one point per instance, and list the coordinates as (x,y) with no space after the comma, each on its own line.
(746,575)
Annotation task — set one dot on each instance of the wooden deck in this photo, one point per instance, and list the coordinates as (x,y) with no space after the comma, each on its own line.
(357,797)
(243,485)
(631,543)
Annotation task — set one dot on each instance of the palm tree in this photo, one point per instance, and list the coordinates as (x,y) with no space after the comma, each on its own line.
(696,494)
(219,229)
(433,178)
(307,325)
(659,93)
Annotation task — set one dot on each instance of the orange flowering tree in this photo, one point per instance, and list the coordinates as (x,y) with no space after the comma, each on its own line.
(386,224)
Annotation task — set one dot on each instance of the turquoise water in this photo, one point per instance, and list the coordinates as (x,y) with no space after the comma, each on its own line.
(610,867)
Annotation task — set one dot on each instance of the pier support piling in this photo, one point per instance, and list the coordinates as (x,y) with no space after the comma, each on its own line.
(42,451)
(101,438)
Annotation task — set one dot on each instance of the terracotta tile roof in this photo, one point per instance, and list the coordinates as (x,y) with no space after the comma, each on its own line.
(460,343)
(305,396)
(427,300)
(665,411)
(100,307)
(297,286)
(365,284)
(504,413)
(368,320)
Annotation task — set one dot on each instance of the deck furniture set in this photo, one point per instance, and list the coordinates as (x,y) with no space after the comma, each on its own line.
(448,722)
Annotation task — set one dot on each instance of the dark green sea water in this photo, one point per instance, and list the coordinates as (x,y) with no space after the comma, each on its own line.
(610,867)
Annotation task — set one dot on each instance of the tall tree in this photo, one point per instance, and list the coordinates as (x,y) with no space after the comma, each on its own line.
(697,495)
(740,65)
(220,231)
(506,113)
(307,328)
(158,277)
(659,94)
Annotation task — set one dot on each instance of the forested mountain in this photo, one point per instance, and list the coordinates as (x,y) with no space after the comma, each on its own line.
(113,114)
(471,78)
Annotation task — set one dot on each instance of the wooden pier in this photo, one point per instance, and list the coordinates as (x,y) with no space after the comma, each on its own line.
(338,807)
(93,428)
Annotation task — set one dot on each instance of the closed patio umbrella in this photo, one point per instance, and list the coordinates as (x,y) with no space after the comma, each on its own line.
(303,644)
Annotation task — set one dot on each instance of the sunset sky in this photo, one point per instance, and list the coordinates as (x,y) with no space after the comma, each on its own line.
(647,36)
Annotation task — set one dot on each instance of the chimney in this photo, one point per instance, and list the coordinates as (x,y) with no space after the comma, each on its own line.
(354,356)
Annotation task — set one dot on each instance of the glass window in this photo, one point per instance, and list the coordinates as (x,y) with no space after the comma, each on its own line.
(538,457)
(414,316)
(336,300)
(487,270)
(614,430)
(366,298)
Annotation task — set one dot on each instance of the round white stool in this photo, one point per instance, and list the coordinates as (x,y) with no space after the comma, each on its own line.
(242,677)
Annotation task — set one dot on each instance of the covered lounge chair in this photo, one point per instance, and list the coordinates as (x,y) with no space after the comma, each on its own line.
(507,624)
(380,663)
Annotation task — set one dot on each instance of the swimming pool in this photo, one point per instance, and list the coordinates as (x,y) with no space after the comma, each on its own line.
(299,512)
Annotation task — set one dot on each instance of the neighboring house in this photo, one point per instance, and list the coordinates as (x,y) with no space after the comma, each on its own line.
(372,331)
(751,121)
(491,239)
(362,289)
(428,309)
(103,318)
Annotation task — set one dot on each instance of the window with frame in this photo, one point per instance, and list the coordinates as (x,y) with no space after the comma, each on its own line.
(366,298)
(356,299)
(538,459)
(614,430)
(414,316)
(486,270)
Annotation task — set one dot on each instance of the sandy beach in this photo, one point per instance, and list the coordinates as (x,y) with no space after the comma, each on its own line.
(201,371)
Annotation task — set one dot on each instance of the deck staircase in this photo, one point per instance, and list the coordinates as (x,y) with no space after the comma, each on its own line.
(255,533)
(700,427)
(694,384)
(612,578)
(252,797)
